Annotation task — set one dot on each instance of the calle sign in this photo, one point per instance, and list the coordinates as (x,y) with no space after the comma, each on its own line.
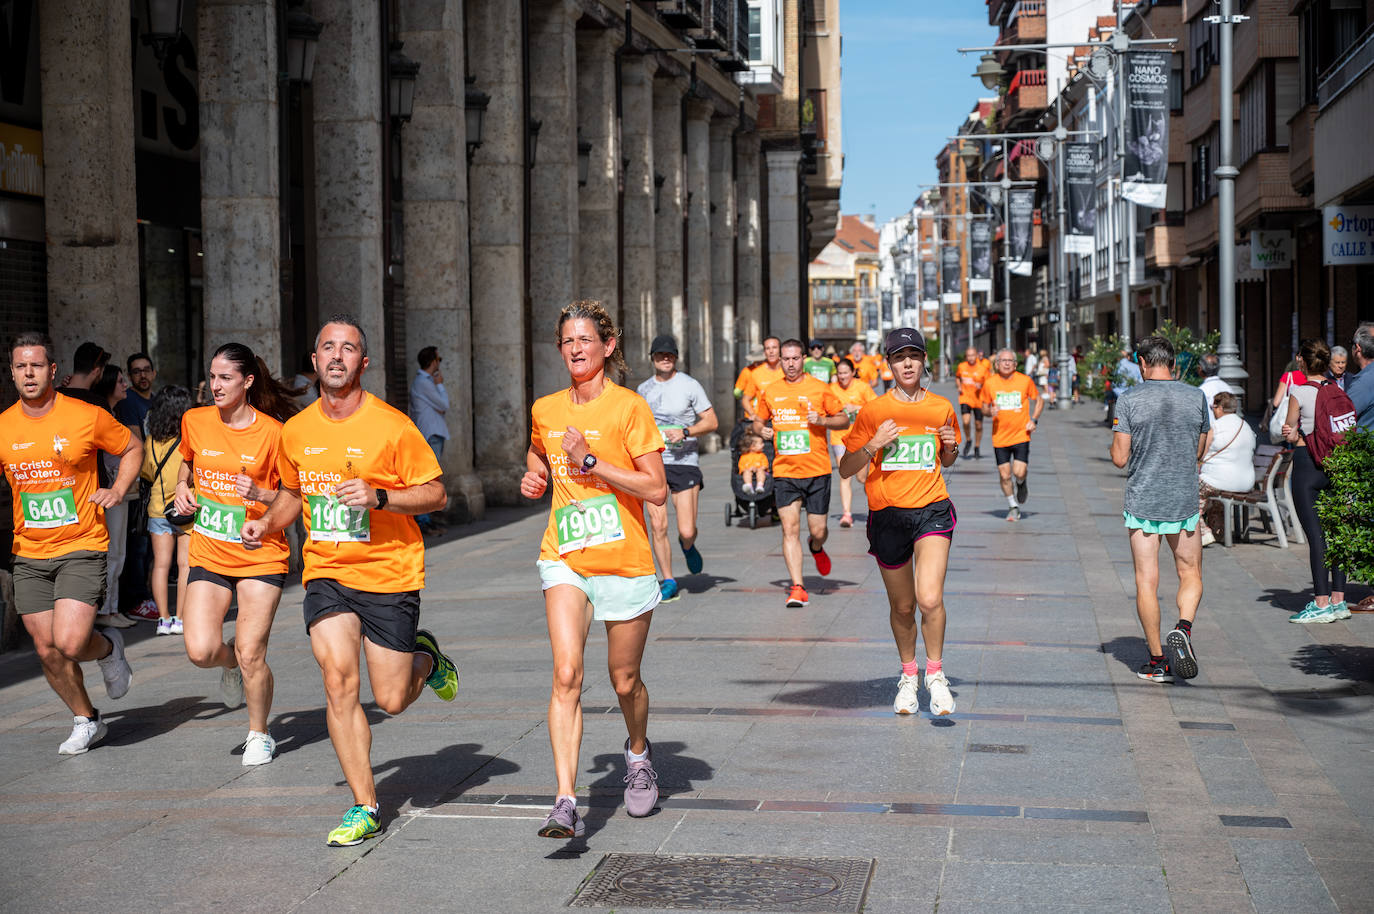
(1347,235)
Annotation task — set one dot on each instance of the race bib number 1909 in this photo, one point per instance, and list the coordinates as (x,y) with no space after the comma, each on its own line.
(589,522)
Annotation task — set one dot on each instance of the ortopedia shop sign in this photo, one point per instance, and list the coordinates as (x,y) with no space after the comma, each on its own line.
(21,161)
(1347,235)
(1271,250)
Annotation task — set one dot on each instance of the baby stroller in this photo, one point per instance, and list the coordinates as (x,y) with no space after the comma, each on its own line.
(751,508)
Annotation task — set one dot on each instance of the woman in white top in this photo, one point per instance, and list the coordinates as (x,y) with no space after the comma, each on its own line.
(1228,465)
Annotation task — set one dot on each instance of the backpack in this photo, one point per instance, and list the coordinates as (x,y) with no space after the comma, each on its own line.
(1332,415)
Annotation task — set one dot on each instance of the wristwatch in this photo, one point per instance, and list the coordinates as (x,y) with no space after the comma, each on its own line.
(588,463)
(381,499)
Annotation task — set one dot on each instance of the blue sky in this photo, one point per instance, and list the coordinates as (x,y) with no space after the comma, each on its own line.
(905,90)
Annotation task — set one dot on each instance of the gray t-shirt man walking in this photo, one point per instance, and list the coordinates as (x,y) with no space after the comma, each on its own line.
(1159,435)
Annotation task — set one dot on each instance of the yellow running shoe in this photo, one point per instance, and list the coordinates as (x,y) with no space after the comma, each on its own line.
(443,679)
(358,824)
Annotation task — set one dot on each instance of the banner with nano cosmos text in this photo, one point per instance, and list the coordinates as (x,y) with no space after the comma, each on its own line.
(1080,180)
(930,282)
(1147,128)
(1021,213)
(980,256)
(951,278)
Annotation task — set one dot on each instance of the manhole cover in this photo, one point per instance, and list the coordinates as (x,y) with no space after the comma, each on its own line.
(727,883)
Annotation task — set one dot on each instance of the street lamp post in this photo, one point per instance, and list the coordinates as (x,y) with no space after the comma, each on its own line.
(1228,350)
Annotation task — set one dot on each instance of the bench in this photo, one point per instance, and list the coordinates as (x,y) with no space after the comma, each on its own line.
(1272,495)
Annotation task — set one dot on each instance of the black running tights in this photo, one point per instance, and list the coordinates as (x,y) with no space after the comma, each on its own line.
(1308,480)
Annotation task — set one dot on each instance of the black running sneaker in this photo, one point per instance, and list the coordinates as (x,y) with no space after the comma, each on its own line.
(1179,649)
(1155,672)
(1022,489)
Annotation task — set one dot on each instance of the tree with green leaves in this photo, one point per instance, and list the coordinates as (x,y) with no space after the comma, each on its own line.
(1346,508)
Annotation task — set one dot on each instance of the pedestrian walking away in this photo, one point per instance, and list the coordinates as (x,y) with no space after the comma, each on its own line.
(229,477)
(595,445)
(171,542)
(905,439)
(357,471)
(428,407)
(1007,397)
(853,394)
(796,412)
(970,375)
(1159,435)
(682,413)
(49,446)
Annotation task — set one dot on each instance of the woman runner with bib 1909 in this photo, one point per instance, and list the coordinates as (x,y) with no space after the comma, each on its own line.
(598,444)
(229,478)
(906,437)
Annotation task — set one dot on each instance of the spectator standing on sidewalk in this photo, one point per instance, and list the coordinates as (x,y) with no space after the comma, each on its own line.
(133,411)
(428,404)
(1159,435)
(110,392)
(1361,388)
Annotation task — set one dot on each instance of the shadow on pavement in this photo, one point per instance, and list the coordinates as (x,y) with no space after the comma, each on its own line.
(842,694)
(814,584)
(129,726)
(700,583)
(434,778)
(1354,662)
(1129,652)
(299,729)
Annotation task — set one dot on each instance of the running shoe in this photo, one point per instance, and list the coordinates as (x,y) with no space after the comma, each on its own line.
(822,560)
(176,625)
(907,701)
(1022,489)
(231,687)
(562,821)
(941,701)
(86,732)
(977,455)
(797,597)
(114,669)
(968,446)
(164,626)
(1340,611)
(359,824)
(846,520)
(1013,514)
(667,590)
(443,678)
(1182,660)
(693,557)
(114,620)
(1313,613)
(641,783)
(147,610)
(1155,672)
(258,749)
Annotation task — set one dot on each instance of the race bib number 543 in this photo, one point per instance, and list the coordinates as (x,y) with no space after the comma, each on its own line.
(794,442)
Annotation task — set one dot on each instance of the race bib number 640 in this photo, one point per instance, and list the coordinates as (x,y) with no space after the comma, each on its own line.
(45,510)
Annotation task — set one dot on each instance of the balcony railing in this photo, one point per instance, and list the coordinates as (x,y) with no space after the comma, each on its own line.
(715,27)
(1027,21)
(735,58)
(682,14)
(1027,92)
(1347,70)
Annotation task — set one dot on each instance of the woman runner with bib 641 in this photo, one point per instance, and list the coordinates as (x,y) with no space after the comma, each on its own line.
(229,478)
(905,438)
(597,443)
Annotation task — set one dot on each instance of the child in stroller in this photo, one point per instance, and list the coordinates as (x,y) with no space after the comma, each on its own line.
(752,463)
(755,500)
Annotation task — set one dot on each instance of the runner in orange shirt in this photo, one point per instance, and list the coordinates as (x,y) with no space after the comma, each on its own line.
(865,365)
(853,394)
(1007,397)
(49,446)
(358,471)
(229,477)
(596,446)
(904,438)
(800,409)
(970,375)
(761,375)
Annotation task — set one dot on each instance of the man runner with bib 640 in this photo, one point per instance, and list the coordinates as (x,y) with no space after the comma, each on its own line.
(360,471)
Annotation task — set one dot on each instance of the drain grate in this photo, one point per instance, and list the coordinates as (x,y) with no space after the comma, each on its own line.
(727,883)
(1003,748)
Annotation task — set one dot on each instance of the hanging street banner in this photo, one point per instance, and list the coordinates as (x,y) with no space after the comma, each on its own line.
(1347,235)
(930,282)
(1080,180)
(909,290)
(951,278)
(1021,209)
(1147,128)
(980,256)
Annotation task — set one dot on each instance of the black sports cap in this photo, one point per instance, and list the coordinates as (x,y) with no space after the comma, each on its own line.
(664,342)
(815,344)
(905,338)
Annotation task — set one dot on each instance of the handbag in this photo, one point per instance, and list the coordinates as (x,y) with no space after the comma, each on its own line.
(145,489)
(1279,418)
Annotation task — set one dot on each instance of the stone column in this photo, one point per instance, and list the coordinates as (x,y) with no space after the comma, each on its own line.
(598,237)
(553,207)
(438,306)
(784,243)
(723,305)
(698,351)
(670,315)
(89,208)
(748,303)
(637,134)
(496,233)
(348,172)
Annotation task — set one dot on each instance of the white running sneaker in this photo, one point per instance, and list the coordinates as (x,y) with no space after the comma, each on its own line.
(114,669)
(86,732)
(231,687)
(941,701)
(176,625)
(906,701)
(164,626)
(258,749)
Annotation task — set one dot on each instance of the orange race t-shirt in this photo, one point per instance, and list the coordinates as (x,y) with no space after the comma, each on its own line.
(753,460)
(217,454)
(906,473)
(867,369)
(1013,397)
(372,551)
(970,379)
(851,398)
(594,528)
(50,464)
(800,448)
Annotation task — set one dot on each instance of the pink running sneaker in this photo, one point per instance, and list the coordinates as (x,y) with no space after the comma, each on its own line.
(641,783)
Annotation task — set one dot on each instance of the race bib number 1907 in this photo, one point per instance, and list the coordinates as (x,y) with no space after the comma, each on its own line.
(331,520)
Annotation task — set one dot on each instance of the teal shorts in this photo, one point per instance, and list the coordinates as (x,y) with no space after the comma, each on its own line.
(1164,527)
(613,598)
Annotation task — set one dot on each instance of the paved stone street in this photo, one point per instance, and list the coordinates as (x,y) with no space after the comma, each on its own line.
(1062,783)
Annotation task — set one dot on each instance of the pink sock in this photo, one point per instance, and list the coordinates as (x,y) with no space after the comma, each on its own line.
(911,669)
(933,666)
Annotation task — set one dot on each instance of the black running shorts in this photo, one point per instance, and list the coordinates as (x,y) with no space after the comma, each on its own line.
(1019,452)
(812,491)
(893,531)
(389,619)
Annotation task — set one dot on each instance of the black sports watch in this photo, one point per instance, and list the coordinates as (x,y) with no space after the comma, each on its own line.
(381,499)
(588,463)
